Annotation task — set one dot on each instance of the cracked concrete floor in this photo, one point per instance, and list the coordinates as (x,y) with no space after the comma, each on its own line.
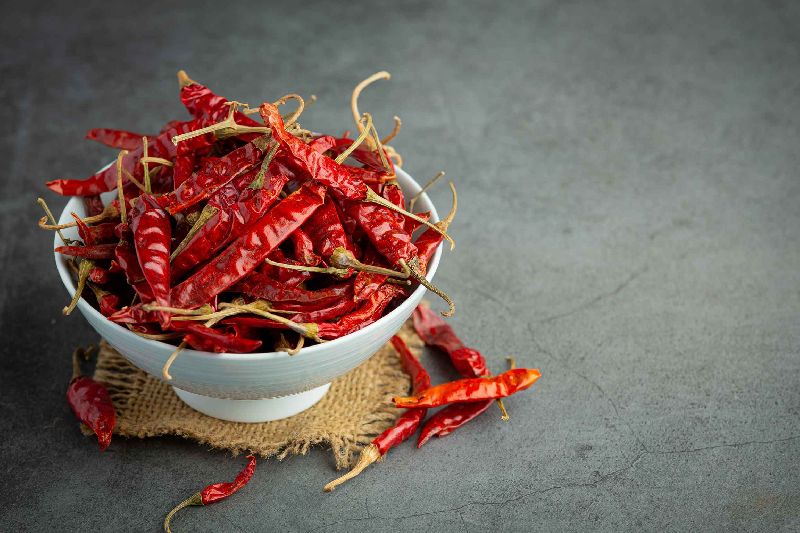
(629,223)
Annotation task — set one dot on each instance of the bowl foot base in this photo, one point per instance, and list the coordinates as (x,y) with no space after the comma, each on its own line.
(253,410)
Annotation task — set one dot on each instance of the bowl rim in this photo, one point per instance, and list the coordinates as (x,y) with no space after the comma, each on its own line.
(411,186)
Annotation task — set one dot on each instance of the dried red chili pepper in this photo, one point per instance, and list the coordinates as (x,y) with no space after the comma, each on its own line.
(215,492)
(100,234)
(213,175)
(119,139)
(106,180)
(244,254)
(91,403)
(95,251)
(203,103)
(472,389)
(127,262)
(208,339)
(303,247)
(370,311)
(258,285)
(227,215)
(326,231)
(107,302)
(151,238)
(404,427)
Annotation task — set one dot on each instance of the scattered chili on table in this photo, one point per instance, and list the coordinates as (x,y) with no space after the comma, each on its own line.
(91,403)
(215,492)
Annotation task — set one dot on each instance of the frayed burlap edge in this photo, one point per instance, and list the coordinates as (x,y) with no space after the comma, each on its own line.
(356,409)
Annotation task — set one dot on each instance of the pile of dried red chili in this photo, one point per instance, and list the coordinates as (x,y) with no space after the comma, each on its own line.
(230,234)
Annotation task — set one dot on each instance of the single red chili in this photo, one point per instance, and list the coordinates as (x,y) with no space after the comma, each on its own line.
(244,254)
(100,234)
(151,238)
(370,311)
(203,103)
(94,251)
(472,389)
(119,139)
(107,302)
(208,339)
(258,285)
(404,427)
(91,403)
(326,231)
(215,492)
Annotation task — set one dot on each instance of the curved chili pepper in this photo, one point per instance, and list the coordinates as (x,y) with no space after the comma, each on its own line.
(322,168)
(404,427)
(215,492)
(97,234)
(258,285)
(473,389)
(119,139)
(91,403)
(94,251)
(208,339)
(450,418)
(326,232)
(369,312)
(203,103)
(303,247)
(244,254)
(151,238)
(334,311)
(128,263)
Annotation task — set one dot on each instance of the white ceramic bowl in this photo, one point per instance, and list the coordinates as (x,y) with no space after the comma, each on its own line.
(252,387)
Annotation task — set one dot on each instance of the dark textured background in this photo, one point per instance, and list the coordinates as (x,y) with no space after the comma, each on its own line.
(629,223)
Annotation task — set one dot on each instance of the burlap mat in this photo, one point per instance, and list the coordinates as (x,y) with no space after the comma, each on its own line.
(355,410)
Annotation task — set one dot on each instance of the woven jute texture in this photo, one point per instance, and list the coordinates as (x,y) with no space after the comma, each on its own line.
(356,409)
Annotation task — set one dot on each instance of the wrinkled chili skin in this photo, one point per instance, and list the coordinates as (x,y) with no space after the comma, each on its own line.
(92,404)
(321,168)
(119,139)
(208,339)
(258,285)
(151,238)
(473,389)
(407,424)
(434,331)
(244,254)
(94,251)
(102,233)
(370,311)
(326,232)
(450,418)
(93,204)
(218,491)
(212,175)
(331,312)
(384,230)
(303,247)
(237,206)
(126,260)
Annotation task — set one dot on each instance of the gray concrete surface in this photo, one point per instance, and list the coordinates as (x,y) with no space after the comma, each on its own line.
(630,222)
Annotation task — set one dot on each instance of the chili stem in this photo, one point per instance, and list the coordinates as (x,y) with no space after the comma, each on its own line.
(207,212)
(424,188)
(155,336)
(123,210)
(129,177)
(206,309)
(379,148)
(194,499)
(49,215)
(382,75)
(414,270)
(306,330)
(83,274)
(360,139)
(258,182)
(108,212)
(145,168)
(375,198)
(184,80)
(300,106)
(512,364)
(167,377)
(397,125)
(344,259)
(340,272)
(298,346)
(369,455)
